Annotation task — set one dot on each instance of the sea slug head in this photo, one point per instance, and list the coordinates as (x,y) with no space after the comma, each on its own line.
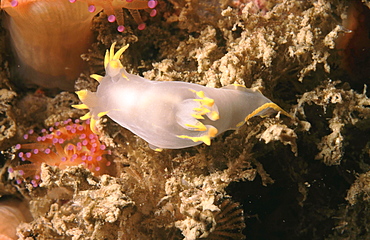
(112,64)
(114,70)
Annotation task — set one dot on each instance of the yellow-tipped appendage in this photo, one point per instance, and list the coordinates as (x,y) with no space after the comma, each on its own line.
(265,106)
(82,96)
(112,59)
(96,77)
(197,127)
(198,113)
(206,138)
(86,116)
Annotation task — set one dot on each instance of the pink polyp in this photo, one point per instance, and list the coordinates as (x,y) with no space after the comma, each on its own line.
(34,183)
(28,155)
(141,26)
(72,1)
(74,156)
(18,146)
(152,3)
(121,28)
(153,13)
(25,136)
(14,3)
(111,18)
(92,8)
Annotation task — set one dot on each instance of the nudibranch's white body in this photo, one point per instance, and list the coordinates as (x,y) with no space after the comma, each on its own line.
(169,114)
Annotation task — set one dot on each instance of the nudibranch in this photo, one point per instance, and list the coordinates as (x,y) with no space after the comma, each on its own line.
(113,9)
(68,143)
(169,115)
